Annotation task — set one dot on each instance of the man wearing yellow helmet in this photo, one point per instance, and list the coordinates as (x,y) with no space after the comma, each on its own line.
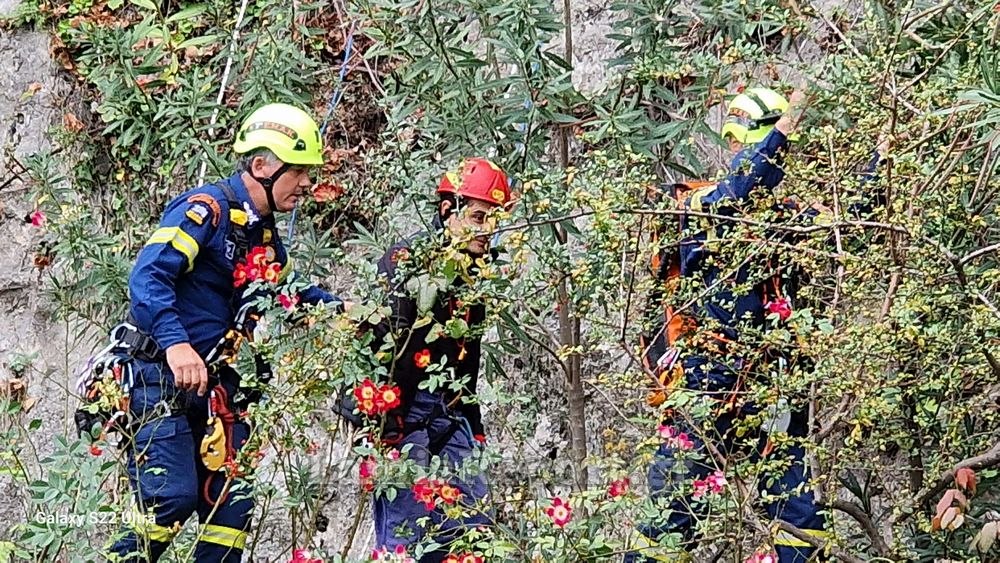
(189,310)
(695,348)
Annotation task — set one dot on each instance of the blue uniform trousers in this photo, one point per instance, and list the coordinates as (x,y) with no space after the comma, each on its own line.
(436,430)
(168,478)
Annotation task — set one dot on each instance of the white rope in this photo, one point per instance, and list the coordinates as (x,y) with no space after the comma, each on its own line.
(225,80)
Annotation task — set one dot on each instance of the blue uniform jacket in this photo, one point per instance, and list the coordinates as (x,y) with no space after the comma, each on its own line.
(182,286)
(753,168)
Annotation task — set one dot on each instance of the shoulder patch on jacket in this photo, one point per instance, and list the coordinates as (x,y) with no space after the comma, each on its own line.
(203,204)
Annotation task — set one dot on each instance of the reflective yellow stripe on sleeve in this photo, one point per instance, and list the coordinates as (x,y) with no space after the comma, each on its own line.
(785,539)
(221,535)
(181,241)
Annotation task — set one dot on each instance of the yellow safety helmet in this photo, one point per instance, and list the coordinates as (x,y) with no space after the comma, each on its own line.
(752,115)
(287,131)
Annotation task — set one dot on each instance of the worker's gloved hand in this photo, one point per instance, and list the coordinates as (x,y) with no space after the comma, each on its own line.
(189,369)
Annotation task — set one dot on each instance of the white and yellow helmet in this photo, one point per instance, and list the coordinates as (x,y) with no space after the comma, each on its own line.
(752,115)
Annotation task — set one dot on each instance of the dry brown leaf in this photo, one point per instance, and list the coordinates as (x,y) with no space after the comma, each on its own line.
(72,123)
(986,537)
(28,404)
(33,88)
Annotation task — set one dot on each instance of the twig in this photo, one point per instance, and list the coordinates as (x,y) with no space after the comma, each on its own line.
(985,460)
(856,512)
(977,253)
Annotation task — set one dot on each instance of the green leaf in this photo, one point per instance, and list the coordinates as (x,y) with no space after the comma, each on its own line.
(198,41)
(147,4)
(188,13)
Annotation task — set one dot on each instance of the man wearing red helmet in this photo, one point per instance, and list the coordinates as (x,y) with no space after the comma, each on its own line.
(435,330)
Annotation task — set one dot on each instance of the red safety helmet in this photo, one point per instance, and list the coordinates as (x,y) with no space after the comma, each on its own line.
(477,178)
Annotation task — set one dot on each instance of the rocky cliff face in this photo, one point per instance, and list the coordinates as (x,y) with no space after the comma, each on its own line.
(36,354)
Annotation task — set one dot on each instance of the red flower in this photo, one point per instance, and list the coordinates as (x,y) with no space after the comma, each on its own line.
(258,257)
(480,438)
(781,307)
(368,406)
(422,359)
(37,218)
(239,275)
(425,491)
(365,395)
(326,192)
(449,494)
(288,302)
(374,400)
(560,512)
(618,488)
(272,273)
(389,397)
(366,472)
(463,558)
(95,451)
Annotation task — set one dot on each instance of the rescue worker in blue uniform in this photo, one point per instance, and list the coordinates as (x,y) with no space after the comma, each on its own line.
(186,290)
(441,422)
(757,129)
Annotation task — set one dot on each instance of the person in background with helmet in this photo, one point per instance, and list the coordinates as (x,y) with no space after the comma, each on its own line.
(443,422)
(185,294)
(757,130)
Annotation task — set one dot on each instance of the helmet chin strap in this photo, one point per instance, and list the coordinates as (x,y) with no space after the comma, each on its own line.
(268,185)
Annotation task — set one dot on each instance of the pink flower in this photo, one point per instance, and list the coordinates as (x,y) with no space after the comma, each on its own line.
(397,555)
(762,557)
(366,472)
(288,302)
(781,307)
(717,482)
(303,556)
(392,454)
(560,512)
(37,218)
(674,439)
(714,483)
(618,488)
